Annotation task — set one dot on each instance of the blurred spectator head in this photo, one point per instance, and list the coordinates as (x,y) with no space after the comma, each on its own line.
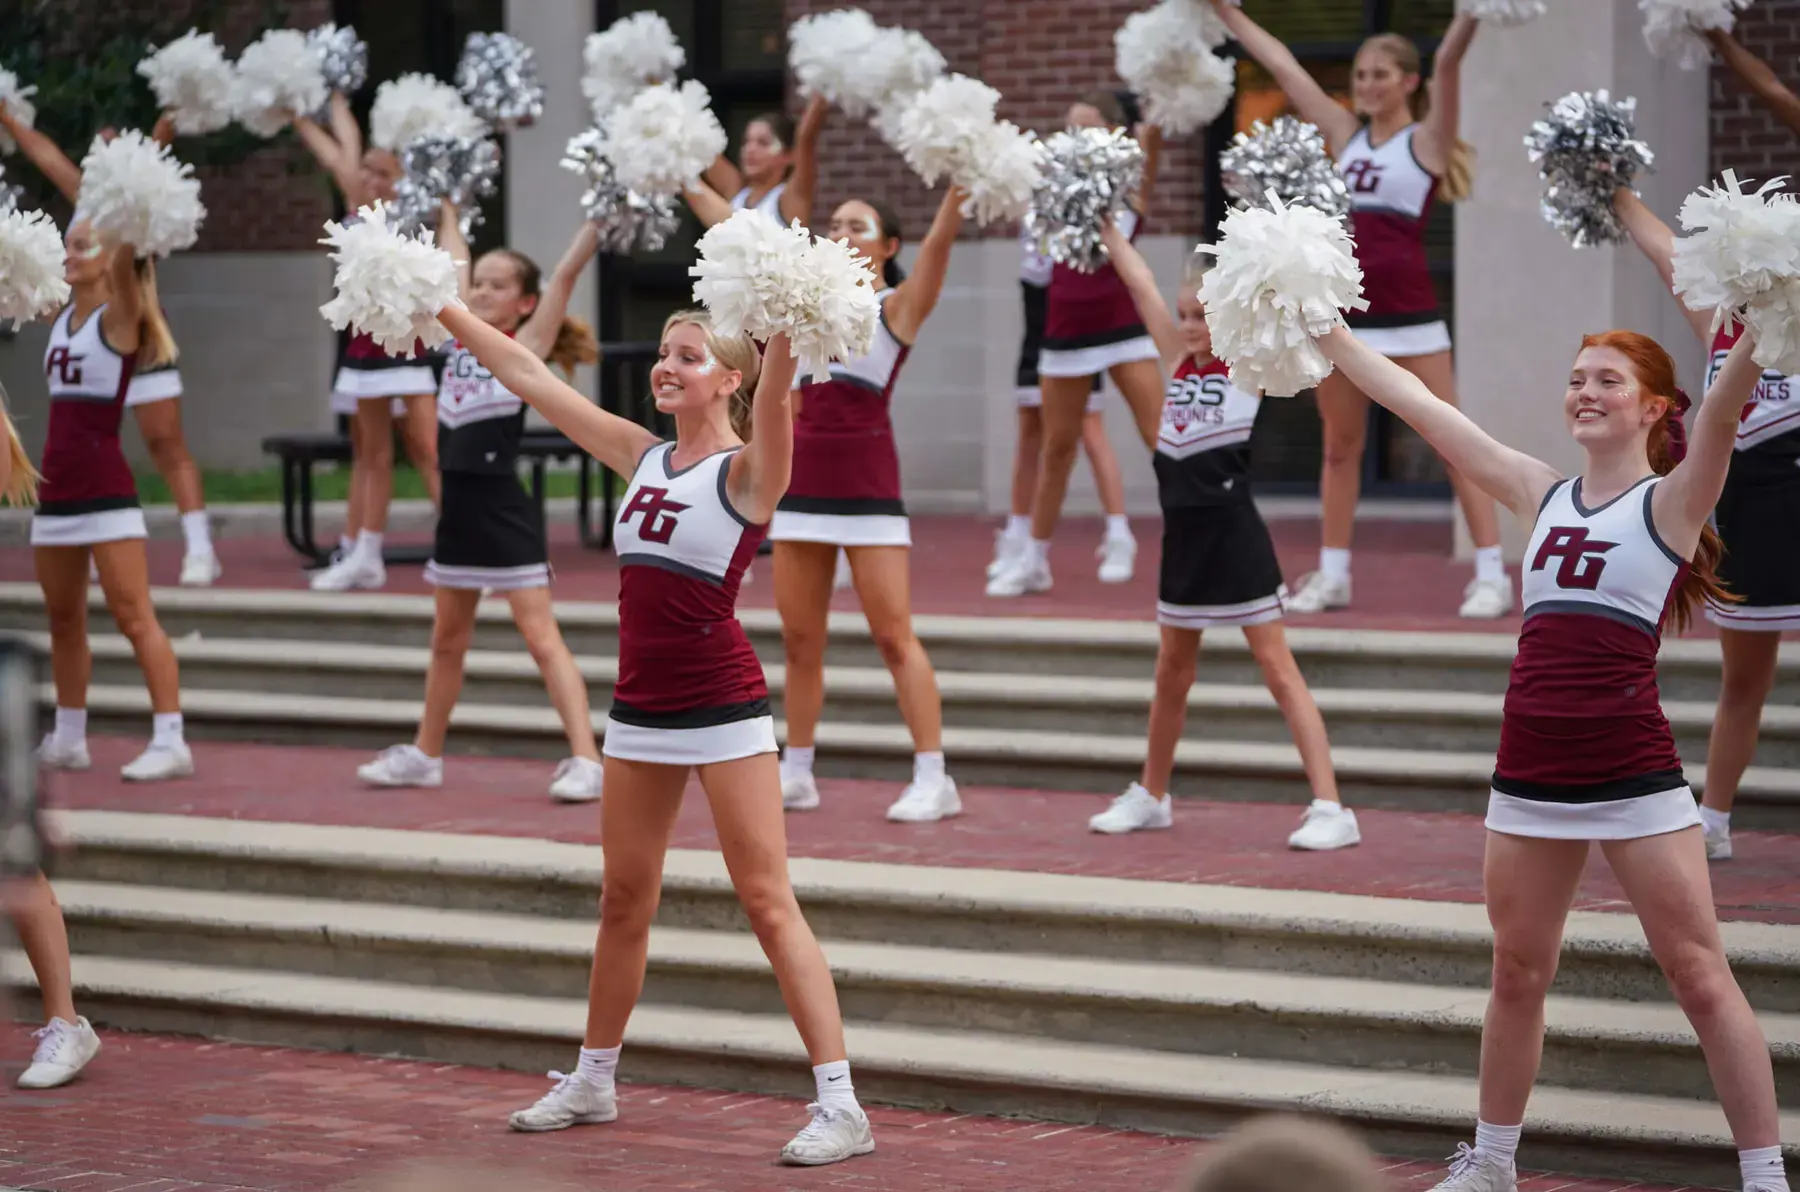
(1287,1154)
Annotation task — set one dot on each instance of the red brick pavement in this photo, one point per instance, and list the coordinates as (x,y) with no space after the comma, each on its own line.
(1403,855)
(157,1114)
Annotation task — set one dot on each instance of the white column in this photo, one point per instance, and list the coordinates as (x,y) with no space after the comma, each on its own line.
(1523,296)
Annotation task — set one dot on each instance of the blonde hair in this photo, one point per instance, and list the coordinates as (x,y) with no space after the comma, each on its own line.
(22,478)
(1288,1154)
(737,353)
(156,343)
(1458,182)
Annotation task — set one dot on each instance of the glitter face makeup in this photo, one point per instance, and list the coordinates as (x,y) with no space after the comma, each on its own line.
(710,365)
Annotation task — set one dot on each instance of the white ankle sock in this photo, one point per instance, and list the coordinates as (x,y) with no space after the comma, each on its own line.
(165,728)
(1762,1169)
(346,544)
(1118,526)
(368,546)
(835,1089)
(71,725)
(1497,1145)
(597,1066)
(1018,526)
(196,530)
(1334,563)
(1489,566)
(1327,807)
(797,760)
(928,766)
(1039,549)
(1717,821)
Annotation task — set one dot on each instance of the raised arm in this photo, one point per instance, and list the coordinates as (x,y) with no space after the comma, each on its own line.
(803,183)
(914,299)
(450,238)
(1656,240)
(539,331)
(344,167)
(123,320)
(1134,271)
(1685,499)
(1337,122)
(616,442)
(1756,74)
(1436,138)
(1514,479)
(1150,136)
(708,205)
(345,129)
(760,473)
(724,177)
(45,154)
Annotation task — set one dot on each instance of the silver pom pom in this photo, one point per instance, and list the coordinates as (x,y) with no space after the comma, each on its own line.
(1287,158)
(460,169)
(1585,150)
(498,75)
(1089,174)
(343,57)
(626,220)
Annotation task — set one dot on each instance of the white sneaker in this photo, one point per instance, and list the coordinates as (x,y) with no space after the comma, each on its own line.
(63,1050)
(200,570)
(832,1136)
(577,780)
(1021,576)
(1008,549)
(1323,829)
(403,765)
(926,802)
(1718,842)
(841,578)
(57,754)
(573,1102)
(1118,559)
(1486,599)
(1133,811)
(799,792)
(1318,592)
(353,572)
(159,762)
(1469,1174)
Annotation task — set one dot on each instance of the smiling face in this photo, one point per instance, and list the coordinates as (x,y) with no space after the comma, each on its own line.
(687,377)
(85,258)
(762,157)
(858,223)
(1606,404)
(497,293)
(380,174)
(1380,87)
(1196,336)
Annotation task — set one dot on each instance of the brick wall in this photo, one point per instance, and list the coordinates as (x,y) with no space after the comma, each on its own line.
(1040,55)
(1746,137)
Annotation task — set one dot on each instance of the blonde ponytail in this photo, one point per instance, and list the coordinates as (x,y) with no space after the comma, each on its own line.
(21,477)
(156,343)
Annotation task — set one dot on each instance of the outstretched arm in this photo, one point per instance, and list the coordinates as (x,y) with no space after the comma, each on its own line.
(1757,75)
(708,205)
(1337,122)
(761,471)
(538,333)
(803,184)
(914,299)
(614,441)
(450,238)
(1514,479)
(1436,139)
(724,177)
(1134,271)
(1685,499)
(1656,240)
(123,320)
(45,154)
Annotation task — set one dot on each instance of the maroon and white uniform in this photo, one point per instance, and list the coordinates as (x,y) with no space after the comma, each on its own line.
(367,373)
(1090,321)
(1035,272)
(88,494)
(1390,203)
(1758,514)
(845,488)
(690,688)
(1585,751)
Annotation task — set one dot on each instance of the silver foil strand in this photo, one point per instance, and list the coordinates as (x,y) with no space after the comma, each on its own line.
(460,169)
(1089,177)
(498,75)
(626,220)
(343,57)
(1288,159)
(1586,149)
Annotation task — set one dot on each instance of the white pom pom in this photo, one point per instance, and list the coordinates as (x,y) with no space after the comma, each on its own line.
(1672,27)
(417,105)
(135,190)
(758,278)
(939,132)
(1007,167)
(861,67)
(1283,276)
(664,138)
(31,266)
(633,52)
(389,285)
(192,82)
(18,101)
(1161,54)
(277,75)
(1502,12)
(1743,255)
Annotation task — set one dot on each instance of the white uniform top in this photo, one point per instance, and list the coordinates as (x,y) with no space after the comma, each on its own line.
(1389,178)
(680,521)
(82,365)
(1204,411)
(1609,561)
(1773,412)
(770,205)
(876,368)
(1034,267)
(469,392)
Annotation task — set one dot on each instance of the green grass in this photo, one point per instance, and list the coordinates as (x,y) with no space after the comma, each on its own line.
(263,486)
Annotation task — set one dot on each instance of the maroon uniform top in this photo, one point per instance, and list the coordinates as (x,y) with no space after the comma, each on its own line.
(1390,203)
(84,466)
(845,461)
(1090,310)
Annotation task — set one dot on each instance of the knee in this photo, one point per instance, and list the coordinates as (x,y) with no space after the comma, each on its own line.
(1175,677)
(544,643)
(136,620)
(804,645)
(1521,979)
(1281,674)
(1701,980)
(627,907)
(1343,444)
(1746,690)
(1061,443)
(896,644)
(770,907)
(68,620)
(451,640)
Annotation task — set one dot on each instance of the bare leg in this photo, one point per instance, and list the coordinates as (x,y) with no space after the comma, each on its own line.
(536,619)
(374,469)
(38,919)
(1344,414)
(420,431)
(1109,479)
(62,574)
(1025,460)
(884,585)
(452,629)
(1065,403)
(1177,658)
(1268,644)
(803,578)
(1141,384)
(353,504)
(125,578)
(1747,679)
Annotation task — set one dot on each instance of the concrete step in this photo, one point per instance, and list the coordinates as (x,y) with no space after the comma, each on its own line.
(1457,721)
(1367,659)
(1255,771)
(1190,1009)
(1619,1135)
(985,912)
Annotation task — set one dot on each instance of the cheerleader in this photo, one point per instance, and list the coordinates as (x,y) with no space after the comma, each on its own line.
(1585,755)
(490,533)
(1090,327)
(1399,151)
(88,505)
(1118,548)
(690,697)
(154,394)
(1218,563)
(845,495)
(777,171)
(371,387)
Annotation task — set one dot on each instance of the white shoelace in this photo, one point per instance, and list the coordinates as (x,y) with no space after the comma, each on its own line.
(823,1116)
(1463,1161)
(58,1041)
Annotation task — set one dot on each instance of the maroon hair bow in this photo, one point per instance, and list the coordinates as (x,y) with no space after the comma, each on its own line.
(1677,428)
